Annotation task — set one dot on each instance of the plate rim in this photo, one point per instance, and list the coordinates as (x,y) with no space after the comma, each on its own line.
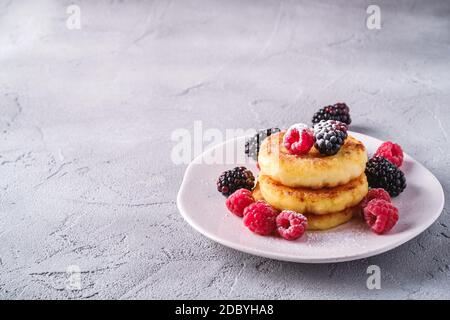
(293,258)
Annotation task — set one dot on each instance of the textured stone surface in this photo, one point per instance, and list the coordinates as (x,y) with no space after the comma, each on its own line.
(86,116)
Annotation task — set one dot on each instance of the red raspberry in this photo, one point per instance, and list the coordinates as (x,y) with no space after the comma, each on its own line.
(391,152)
(299,139)
(380,215)
(377,193)
(259,217)
(291,225)
(239,200)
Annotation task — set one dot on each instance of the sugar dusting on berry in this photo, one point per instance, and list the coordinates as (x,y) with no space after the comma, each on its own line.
(391,152)
(291,225)
(330,136)
(299,139)
(238,201)
(381,173)
(339,111)
(232,180)
(380,215)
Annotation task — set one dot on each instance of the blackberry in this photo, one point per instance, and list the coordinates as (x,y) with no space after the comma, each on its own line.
(383,174)
(330,136)
(252,144)
(232,180)
(339,112)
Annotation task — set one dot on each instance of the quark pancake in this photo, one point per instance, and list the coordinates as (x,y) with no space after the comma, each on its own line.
(312,170)
(316,201)
(324,221)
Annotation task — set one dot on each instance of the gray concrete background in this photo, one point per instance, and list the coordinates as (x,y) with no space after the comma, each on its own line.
(86,117)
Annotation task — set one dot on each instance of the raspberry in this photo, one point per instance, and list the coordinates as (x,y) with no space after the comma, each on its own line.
(239,200)
(392,152)
(299,139)
(259,217)
(291,225)
(380,215)
(375,194)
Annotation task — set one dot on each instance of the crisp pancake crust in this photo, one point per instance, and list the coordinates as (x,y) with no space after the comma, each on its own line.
(331,220)
(316,201)
(312,170)
(321,222)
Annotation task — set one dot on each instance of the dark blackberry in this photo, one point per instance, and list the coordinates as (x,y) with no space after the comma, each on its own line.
(252,144)
(330,135)
(232,180)
(383,174)
(339,112)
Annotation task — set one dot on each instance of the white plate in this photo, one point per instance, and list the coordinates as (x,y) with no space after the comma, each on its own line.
(204,209)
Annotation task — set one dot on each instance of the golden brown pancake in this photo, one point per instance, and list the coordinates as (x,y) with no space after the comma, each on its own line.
(312,170)
(316,201)
(324,221)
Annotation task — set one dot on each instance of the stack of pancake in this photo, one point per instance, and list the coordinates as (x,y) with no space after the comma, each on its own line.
(326,189)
